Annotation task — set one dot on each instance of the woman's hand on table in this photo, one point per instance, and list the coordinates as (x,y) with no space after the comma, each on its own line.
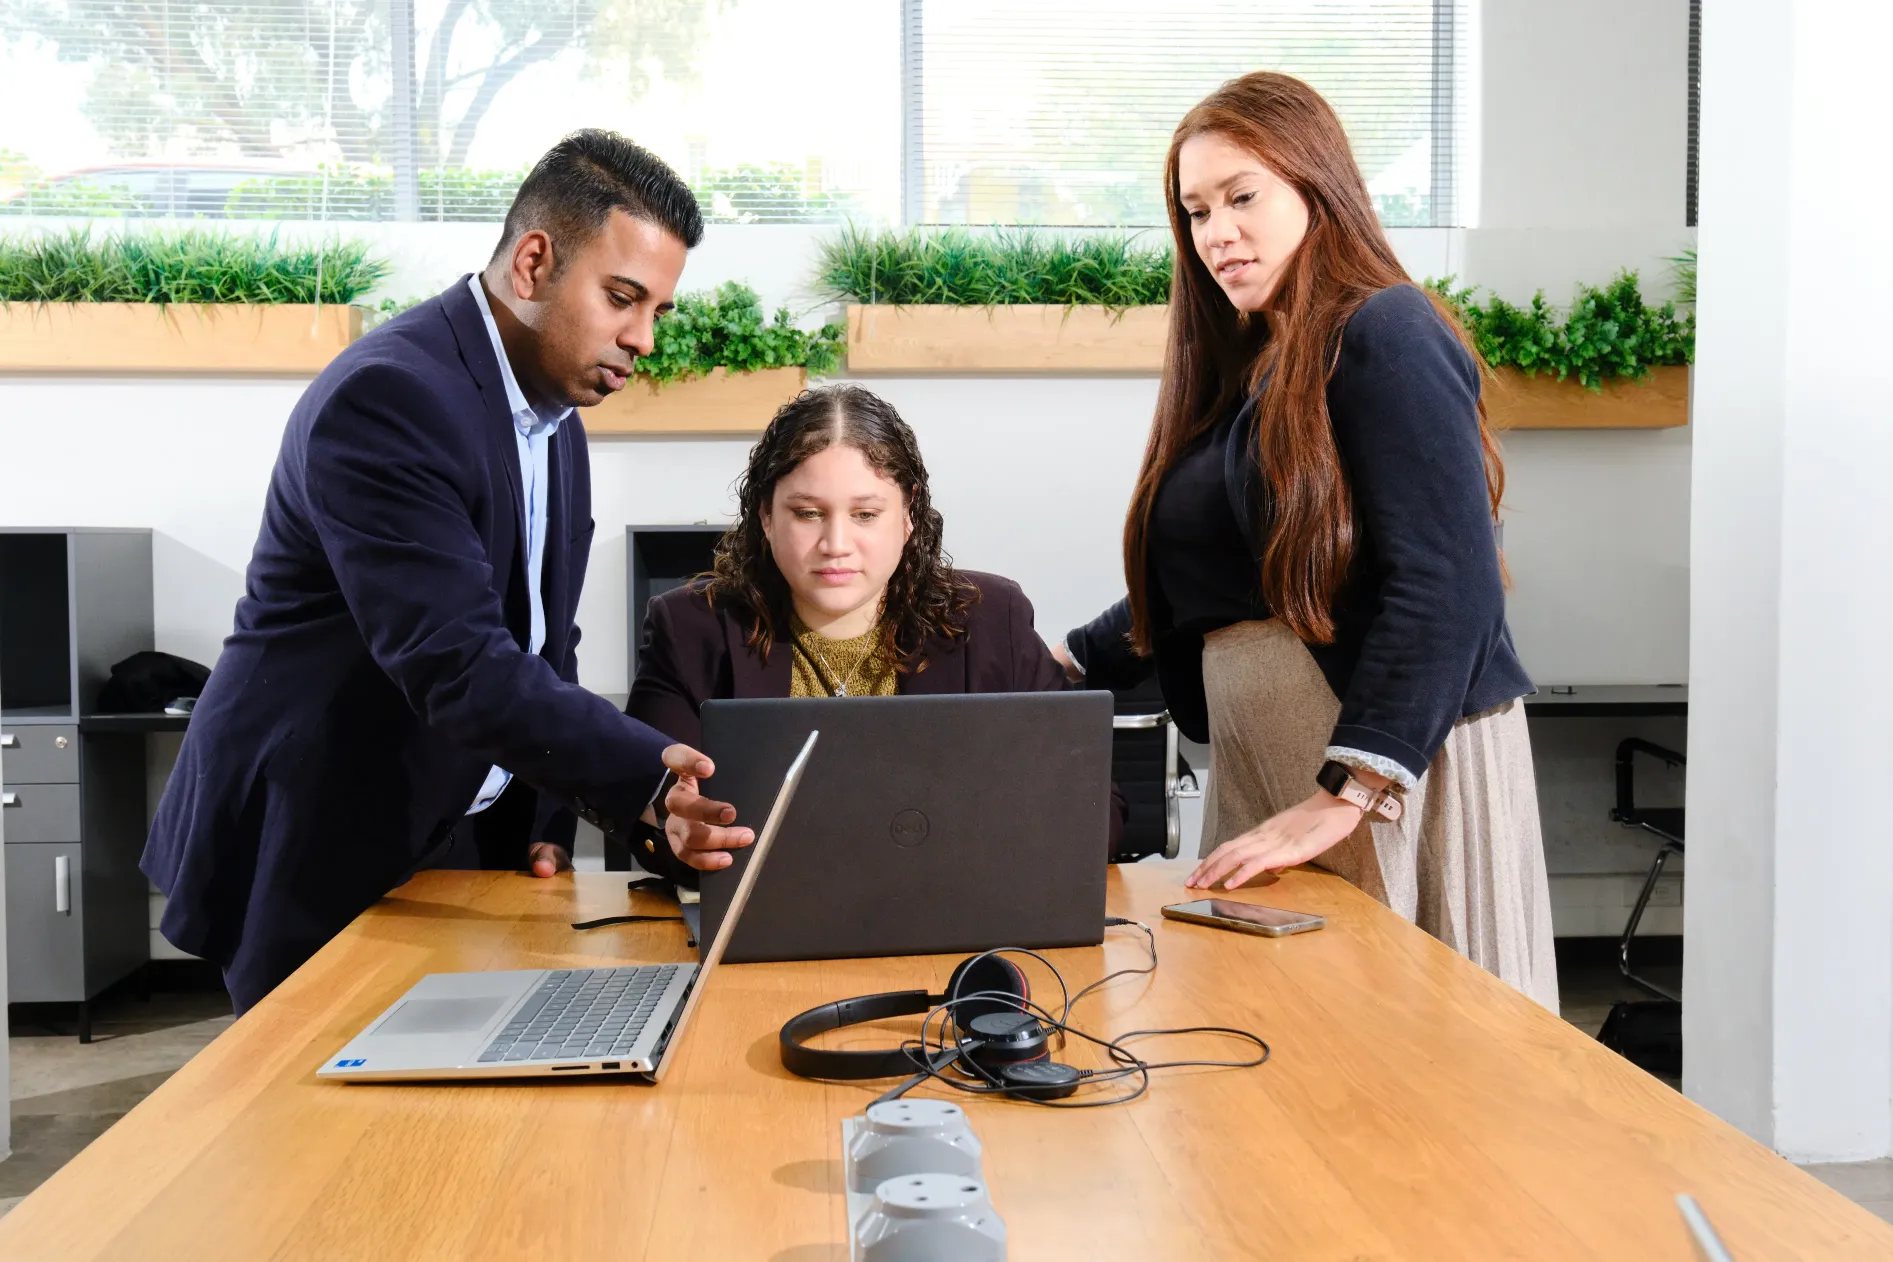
(1296,835)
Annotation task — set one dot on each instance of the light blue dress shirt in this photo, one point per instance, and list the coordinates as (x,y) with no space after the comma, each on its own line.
(533,429)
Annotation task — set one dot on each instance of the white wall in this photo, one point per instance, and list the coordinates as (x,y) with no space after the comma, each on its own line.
(1583,144)
(1582,147)
(1789,971)
(1585,113)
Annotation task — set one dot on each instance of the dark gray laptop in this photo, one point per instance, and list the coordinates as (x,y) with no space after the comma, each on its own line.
(931,824)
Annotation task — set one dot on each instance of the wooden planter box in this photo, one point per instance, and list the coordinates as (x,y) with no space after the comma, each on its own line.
(136,337)
(721,403)
(1659,401)
(927,339)
(1024,339)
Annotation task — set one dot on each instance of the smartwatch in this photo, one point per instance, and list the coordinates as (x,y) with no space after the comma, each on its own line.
(1338,778)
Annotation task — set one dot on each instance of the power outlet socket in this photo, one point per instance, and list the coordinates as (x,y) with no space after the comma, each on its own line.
(1668,892)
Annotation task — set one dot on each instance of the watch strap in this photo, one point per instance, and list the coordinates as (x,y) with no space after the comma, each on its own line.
(1338,779)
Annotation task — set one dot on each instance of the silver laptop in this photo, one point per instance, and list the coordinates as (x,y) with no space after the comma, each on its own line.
(534,1022)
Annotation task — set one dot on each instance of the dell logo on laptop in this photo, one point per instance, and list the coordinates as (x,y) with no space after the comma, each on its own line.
(351,1064)
(909,828)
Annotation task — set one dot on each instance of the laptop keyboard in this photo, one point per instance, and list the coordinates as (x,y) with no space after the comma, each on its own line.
(583,1012)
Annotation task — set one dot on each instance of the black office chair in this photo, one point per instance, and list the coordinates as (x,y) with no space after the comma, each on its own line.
(1151,774)
(1665,822)
(1646,1032)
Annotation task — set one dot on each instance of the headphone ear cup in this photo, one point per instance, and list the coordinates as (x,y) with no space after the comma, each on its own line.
(997,980)
(997,1040)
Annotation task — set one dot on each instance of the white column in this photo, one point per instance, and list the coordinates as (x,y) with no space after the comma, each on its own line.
(1788,975)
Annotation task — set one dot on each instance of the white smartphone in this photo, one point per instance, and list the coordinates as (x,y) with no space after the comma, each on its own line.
(1222,913)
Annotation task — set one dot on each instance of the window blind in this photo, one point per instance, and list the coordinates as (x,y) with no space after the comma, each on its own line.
(1061,111)
(432,109)
(1691,170)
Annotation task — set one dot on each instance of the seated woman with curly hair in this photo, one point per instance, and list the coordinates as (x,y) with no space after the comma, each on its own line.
(831,583)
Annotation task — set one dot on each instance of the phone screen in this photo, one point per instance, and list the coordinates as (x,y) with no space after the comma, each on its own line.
(1248,913)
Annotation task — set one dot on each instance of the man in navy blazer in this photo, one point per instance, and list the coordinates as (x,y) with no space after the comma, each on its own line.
(400,690)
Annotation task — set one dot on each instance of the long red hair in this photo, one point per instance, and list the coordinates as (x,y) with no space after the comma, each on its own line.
(1218,356)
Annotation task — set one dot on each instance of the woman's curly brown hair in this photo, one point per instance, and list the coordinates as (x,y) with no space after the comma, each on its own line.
(925,597)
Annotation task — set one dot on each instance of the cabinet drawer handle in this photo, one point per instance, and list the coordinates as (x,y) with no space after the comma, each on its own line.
(9,799)
(9,741)
(62,885)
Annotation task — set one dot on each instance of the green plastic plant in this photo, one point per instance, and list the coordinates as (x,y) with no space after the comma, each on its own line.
(186,267)
(956,268)
(1608,332)
(1683,270)
(727,329)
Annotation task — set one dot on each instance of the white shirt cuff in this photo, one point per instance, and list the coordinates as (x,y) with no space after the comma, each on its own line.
(1360,760)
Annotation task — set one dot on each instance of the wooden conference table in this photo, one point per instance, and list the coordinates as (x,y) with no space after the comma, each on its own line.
(1414,1108)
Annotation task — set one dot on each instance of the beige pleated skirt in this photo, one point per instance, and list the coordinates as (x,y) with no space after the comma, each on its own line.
(1465,861)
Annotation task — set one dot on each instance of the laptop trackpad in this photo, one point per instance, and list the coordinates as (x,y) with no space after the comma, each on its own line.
(441,1016)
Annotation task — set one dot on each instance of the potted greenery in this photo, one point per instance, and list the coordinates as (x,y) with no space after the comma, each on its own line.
(181,302)
(1611,361)
(718,366)
(1012,301)
(1021,301)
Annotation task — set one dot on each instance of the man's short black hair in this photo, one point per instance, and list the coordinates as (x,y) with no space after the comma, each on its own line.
(571,192)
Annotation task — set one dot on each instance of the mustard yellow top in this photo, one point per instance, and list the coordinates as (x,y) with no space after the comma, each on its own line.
(838,668)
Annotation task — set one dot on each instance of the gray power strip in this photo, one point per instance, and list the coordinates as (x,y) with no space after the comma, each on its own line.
(917,1214)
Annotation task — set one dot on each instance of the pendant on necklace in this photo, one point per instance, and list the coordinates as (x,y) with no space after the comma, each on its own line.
(841,690)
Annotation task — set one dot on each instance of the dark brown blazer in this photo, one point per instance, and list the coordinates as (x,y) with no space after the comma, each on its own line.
(692,652)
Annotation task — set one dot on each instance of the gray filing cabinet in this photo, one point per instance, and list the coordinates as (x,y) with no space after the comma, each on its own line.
(72,602)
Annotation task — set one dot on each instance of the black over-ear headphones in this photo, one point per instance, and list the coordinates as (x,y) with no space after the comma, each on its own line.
(990,1006)
(998,1037)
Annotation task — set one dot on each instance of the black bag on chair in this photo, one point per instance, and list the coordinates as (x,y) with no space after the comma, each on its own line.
(147,682)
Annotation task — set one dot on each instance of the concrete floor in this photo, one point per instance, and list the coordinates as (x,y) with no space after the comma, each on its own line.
(1868,1184)
(66,1094)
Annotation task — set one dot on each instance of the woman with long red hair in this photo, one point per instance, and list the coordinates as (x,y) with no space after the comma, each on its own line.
(1311,551)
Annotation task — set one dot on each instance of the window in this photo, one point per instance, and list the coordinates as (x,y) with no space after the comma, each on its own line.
(777,111)
(1061,111)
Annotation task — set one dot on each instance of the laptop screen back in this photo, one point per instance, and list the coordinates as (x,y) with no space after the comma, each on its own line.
(931,824)
(758,852)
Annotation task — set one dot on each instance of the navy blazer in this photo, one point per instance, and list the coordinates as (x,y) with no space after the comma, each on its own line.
(378,668)
(693,652)
(1420,639)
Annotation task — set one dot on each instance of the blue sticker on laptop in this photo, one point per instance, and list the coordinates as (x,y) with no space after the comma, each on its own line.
(351,1064)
